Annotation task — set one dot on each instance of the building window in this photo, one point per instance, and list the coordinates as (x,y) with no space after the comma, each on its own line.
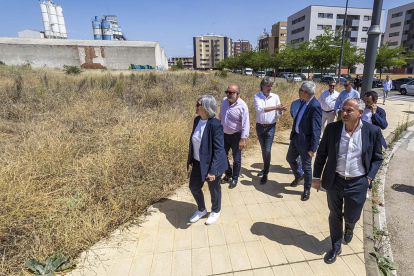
(298,30)
(205,64)
(203,40)
(283,34)
(207,55)
(207,50)
(363,40)
(398,14)
(329,15)
(283,27)
(394,43)
(322,27)
(367,18)
(295,21)
(283,42)
(393,25)
(321,15)
(217,55)
(299,40)
(217,59)
(394,34)
(365,29)
(201,55)
(207,46)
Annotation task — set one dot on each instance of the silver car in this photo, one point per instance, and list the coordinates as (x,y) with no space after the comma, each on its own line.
(407,88)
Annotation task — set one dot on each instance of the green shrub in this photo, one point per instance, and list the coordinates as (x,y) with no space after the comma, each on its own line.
(72,70)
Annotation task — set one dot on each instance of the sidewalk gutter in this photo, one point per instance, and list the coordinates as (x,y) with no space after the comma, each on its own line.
(370,219)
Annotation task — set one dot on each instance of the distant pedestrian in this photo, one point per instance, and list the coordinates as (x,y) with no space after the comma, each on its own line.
(268,108)
(349,155)
(304,137)
(234,116)
(387,84)
(327,100)
(358,83)
(347,92)
(374,114)
(374,81)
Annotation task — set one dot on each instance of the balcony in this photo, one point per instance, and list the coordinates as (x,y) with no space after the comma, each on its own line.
(354,43)
(339,22)
(408,16)
(406,27)
(353,34)
(404,37)
(355,23)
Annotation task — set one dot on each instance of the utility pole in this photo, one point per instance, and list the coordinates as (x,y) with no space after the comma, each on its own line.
(342,44)
(374,33)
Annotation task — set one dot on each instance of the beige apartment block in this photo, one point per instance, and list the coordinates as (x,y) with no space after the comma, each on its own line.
(241,46)
(188,62)
(211,49)
(275,40)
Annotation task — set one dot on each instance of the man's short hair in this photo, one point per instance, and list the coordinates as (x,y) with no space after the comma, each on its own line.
(265,81)
(372,94)
(209,104)
(359,101)
(332,82)
(309,87)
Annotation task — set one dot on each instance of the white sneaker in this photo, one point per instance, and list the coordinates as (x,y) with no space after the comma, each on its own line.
(198,215)
(212,218)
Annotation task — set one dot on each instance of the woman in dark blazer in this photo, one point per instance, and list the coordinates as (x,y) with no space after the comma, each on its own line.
(207,157)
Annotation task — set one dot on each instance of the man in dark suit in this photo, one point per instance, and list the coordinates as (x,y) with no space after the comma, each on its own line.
(374,114)
(350,155)
(304,137)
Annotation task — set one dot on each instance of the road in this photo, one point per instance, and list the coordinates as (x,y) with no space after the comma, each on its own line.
(399,204)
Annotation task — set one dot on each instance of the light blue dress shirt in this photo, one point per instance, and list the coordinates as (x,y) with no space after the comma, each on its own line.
(294,108)
(343,95)
(301,111)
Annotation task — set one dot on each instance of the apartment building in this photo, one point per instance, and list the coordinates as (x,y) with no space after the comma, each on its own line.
(275,40)
(313,20)
(241,46)
(187,61)
(210,49)
(399,31)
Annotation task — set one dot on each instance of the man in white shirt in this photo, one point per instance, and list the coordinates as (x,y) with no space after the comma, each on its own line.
(268,108)
(350,155)
(327,100)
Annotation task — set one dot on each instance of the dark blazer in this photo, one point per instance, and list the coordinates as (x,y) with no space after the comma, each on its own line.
(213,158)
(328,149)
(309,126)
(380,119)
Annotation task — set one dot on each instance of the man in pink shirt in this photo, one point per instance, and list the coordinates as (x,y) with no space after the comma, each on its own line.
(234,116)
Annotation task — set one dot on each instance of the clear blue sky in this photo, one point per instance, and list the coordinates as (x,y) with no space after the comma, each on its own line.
(172,23)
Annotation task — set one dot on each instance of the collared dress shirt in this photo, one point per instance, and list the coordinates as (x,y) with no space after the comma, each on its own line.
(349,161)
(387,85)
(367,116)
(300,114)
(343,95)
(196,138)
(294,108)
(260,102)
(235,117)
(327,100)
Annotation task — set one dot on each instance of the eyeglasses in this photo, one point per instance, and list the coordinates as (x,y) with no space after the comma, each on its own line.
(229,92)
(198,104)
(331,85)
(347,84)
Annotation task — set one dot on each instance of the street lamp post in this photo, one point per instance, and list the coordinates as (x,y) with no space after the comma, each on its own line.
(372,47)
(342,44)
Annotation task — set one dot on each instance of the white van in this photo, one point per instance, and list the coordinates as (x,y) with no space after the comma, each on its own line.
(248,71)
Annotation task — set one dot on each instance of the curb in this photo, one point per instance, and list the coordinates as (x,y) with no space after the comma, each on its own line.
(370,220)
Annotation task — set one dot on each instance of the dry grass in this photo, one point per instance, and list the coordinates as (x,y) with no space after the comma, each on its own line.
(82,155)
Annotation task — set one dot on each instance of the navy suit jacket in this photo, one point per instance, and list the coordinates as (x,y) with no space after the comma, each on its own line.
(380,119)
(309,126)
(213,158)
(327,154)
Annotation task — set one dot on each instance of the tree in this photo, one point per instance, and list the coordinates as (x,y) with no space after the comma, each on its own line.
(180,64)
(388,58)
(296,56)
(352,56)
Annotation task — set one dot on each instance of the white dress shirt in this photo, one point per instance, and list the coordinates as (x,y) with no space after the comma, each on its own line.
(367,116)
(300,114)
(196,138)
(260,102)
(327,100)
(349,162)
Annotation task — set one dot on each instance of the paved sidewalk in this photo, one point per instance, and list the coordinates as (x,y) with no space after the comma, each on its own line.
(263,230)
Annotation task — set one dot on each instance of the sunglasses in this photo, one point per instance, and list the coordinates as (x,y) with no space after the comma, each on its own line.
(229,92)
(198,104)
(347,84)
(331,85)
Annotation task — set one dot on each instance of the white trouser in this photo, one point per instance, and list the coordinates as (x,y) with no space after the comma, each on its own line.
(327,116)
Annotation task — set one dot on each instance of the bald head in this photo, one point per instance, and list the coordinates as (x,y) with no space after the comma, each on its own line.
(235,87)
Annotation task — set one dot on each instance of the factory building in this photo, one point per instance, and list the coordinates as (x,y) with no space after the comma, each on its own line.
(87,54)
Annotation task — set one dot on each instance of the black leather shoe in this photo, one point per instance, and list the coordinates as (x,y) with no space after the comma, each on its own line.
(264,179)
(296,181)
(330,257)
(305,195)
(260,173)
(225,179)
(233,184)
(348,235)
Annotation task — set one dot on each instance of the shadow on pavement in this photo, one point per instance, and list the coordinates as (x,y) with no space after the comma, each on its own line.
(403,188)
(176,212)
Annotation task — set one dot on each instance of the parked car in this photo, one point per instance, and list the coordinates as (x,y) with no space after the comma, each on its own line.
(285,75)
(377,83)
(260,74)
(346,76)
(301,75)
(396,84)
(248,71)
(293,78)
(407,88)
(271,74)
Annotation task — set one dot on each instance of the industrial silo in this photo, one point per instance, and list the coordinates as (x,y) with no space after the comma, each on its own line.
(61,22)
(107,30)
(45,18)
(97,28)
(53,19)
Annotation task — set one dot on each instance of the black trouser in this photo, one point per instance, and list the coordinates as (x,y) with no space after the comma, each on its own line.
(196,185)
(231,141)
(351,194)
